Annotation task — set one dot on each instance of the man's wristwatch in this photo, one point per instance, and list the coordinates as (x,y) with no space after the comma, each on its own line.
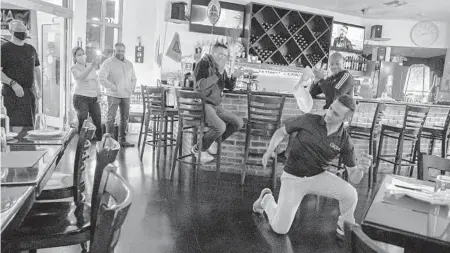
(11,84)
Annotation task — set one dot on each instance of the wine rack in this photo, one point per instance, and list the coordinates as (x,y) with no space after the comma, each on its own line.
(282,36)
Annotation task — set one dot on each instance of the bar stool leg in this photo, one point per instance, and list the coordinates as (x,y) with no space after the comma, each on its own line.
(415,151)
(444,145)
(142,126)
(218,157)
(246,153)
(380,146)
(200,148)
(398,156)
(147,123)
(274,172)
(178,148)
(154,138)
(159,140)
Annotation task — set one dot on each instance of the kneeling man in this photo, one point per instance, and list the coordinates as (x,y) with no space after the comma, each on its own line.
(319,140)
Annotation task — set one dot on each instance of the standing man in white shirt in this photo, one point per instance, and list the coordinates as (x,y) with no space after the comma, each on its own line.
(118,77)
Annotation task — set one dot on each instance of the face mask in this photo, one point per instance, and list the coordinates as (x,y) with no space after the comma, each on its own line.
(20,35)
(81,58)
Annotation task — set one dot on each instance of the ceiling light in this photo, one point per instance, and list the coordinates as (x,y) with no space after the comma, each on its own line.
(395,3)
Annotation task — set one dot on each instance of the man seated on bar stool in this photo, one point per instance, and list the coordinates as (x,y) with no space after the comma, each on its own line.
(318,141)
(211,78)
(341,82)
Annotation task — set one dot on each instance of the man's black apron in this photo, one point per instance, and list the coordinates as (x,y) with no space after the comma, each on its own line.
(21,111)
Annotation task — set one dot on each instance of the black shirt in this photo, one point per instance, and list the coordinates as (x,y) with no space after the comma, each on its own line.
(333,87)
(342,43)
(311,150)
(18,63)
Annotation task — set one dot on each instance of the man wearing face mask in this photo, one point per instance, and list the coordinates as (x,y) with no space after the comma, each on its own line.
(20,69)
(211,78)
(118,77)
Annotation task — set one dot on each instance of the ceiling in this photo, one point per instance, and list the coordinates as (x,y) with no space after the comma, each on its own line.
(436,10)
(410,51)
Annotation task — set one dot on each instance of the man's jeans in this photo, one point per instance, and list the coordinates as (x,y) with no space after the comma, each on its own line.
(124,105)
(88,105)
(293,189)
(221,123)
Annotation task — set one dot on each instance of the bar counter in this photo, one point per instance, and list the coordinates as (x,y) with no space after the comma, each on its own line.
(232,159)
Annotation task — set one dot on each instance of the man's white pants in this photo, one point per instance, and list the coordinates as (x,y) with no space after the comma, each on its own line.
(294,188)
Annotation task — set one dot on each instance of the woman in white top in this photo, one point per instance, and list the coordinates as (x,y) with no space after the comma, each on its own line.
(86,92)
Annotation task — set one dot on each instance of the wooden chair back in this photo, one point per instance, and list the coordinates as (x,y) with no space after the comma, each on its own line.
(115,195)
(87,133)
(153,99)
(191,108)
(414,120)
(264,112)
(107,151)
(358,242)
(427,162)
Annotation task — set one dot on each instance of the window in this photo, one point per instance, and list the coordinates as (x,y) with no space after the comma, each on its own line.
(418,82)
(104,26)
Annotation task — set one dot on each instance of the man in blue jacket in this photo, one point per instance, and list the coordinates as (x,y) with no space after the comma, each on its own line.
(211,78)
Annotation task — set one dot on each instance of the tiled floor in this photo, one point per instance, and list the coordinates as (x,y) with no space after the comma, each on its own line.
(213,216)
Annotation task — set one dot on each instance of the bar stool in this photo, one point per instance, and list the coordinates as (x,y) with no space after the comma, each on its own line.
(413,122)
(156,111)
(369,133)
(191,114)
(264,118)
(437,133)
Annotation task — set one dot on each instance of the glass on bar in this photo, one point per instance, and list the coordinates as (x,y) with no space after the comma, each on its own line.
(442,183)
(40,122)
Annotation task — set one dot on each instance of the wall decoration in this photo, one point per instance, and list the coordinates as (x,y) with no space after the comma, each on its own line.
(139,52)
(174,51)
(10,14)
(214,11)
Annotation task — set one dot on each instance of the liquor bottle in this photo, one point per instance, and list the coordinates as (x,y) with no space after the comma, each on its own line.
(3,140)
(4,119)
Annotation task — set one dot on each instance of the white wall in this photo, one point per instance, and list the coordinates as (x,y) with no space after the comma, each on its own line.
(399,32)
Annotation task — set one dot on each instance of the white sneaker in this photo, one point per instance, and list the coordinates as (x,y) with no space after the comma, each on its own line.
(213,148)
(205,157)
(257,206)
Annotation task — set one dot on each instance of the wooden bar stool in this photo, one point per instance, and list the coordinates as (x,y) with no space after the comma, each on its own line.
(161,116)
(369,133)
(191,113)
(413,122)
(438,133)
(264,118)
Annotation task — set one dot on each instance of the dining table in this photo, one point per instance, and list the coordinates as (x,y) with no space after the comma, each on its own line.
(406,221)
(22,178)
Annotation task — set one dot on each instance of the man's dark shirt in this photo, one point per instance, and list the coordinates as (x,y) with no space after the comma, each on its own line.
(18,63)
(333,87)
(312,150)
(342,43)
(214,92)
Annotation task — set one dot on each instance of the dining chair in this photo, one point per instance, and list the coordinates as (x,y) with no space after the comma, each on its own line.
(114,200)
(358,242)
(427,162)
(66,185)
(64,223)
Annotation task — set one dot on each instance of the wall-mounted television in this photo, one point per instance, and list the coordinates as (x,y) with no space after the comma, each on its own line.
(232,16)
(347,37)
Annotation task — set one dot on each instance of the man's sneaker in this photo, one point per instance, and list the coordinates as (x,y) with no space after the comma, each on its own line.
(205,157)
(213,149)
(126,144)
(257,206)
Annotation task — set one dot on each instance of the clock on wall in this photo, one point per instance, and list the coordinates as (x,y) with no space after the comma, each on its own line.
(424,34)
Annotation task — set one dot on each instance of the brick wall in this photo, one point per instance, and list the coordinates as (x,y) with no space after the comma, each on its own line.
(233,148)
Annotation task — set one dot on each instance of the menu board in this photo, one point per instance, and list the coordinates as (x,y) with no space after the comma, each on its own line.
(11,14)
